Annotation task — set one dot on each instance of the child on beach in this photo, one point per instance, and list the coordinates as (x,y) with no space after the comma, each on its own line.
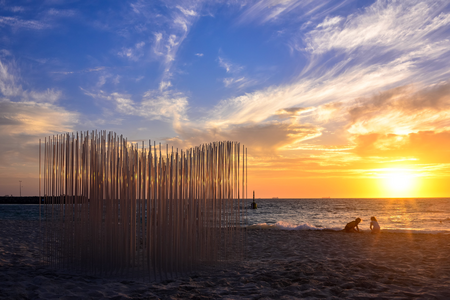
(352,226)
(374,226)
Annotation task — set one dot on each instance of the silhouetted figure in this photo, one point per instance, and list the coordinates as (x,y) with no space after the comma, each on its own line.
(353,226)
(374,226)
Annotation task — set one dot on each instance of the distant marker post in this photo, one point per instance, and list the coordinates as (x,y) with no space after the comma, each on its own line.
(254,205)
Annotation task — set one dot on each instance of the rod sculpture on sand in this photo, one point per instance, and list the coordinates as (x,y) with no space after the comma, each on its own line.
(116,208)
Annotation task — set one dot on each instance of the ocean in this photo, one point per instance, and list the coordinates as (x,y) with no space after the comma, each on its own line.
(418,215)
(421,215)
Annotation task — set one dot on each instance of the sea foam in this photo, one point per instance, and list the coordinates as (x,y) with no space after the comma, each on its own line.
(282,225)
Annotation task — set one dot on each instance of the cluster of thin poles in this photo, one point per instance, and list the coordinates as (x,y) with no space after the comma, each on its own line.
(112,207)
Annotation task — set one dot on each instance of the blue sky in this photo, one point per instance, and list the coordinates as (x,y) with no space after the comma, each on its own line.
(303,83)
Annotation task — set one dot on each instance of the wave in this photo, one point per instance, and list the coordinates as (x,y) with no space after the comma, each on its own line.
(282,225)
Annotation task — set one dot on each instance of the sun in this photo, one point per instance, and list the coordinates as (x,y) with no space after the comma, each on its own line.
(399,182)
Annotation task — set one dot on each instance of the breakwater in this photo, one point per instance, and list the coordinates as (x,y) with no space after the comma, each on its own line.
(19,200)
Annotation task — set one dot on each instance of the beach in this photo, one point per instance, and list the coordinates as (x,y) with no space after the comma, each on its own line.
(279,264)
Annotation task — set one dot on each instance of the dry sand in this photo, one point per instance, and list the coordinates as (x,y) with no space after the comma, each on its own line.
(279,265)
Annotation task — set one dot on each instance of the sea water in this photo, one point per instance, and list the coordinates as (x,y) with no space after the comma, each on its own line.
(421,215)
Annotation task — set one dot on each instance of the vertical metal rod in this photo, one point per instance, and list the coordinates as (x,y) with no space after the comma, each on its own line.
(112,208)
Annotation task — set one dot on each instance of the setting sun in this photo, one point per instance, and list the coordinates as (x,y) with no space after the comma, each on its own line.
(399,182)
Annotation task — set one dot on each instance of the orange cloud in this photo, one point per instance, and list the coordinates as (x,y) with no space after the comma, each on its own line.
(425,146)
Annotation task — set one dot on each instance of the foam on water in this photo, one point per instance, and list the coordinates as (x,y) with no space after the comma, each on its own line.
(284,226)
(394,215)
(281,225)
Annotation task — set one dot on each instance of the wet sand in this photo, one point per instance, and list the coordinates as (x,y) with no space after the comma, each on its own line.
(279,265)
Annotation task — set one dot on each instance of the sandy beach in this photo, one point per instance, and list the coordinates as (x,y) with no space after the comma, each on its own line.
(279,265)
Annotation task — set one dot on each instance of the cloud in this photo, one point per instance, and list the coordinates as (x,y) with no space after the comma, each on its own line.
(199,54)
(32,115)
(294,111)
(169,31)
(22,124)
(287,10)
(269,10)
(422,147)
(163,104)
(134,53)
(229,66)
(101,80)
(238,82)
(329,22)
(116,79)
(402,110)
(47,96)
(187,12)
(34,118)
(385,24)
(345,78)
(264,139)
(4,53)
(163,85)
(397,126)
(95,69)
(61,12)
(11,88)
(332,96)
(17,23)
(17,8)
(8,85)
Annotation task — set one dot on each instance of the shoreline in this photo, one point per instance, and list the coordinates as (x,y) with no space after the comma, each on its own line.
(279,264)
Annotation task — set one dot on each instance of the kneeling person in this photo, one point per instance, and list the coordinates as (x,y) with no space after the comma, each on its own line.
(353,226)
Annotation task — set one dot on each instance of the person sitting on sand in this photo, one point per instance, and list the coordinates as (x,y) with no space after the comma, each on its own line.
(353,226)
(374,226)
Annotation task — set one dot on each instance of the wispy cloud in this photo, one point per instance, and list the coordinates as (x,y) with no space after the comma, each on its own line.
(26,116)
(169,31)
(238,82)
(61,12)
(133,53)
(17,23)
(187,12)
(229,66)
(264,139)
(402,110)
(269,10)
(16,8)
(292,10)
(334,98)
(22,124)
(11,88)
(4,53)
(163,104)
(396,26)
(237,79)
(97,69)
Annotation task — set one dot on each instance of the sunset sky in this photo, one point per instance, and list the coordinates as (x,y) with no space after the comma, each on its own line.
(332,98)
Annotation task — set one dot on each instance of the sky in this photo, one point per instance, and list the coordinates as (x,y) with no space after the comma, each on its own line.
(331,98)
